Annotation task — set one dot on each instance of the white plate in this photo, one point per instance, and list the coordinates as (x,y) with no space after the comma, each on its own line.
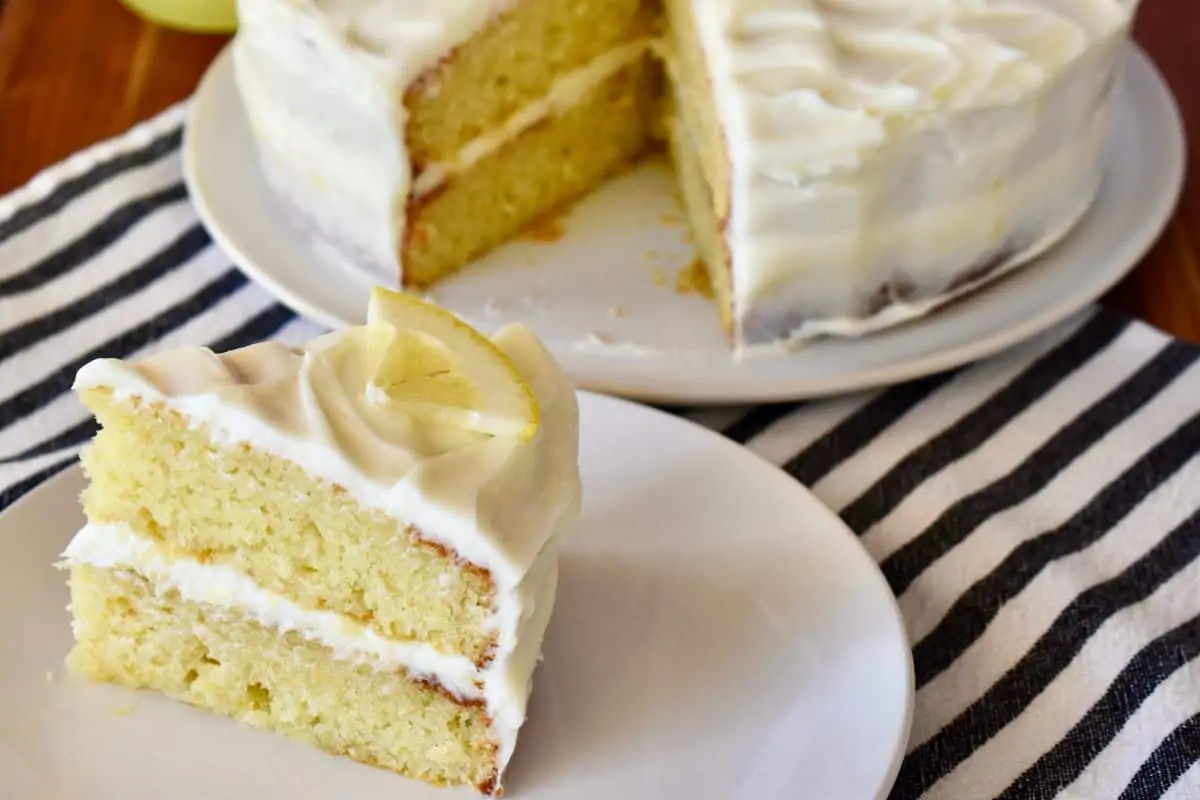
(667,347)
(718,634)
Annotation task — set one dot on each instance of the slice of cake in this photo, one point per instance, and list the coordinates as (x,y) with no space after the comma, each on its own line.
(354,543)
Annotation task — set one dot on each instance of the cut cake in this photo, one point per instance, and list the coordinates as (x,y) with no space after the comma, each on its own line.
(845,164)
(353,543)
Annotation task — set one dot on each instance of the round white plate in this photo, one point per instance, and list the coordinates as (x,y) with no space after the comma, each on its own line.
(718,634)
(602,296)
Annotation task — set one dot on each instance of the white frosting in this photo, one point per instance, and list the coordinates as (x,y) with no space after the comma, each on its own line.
(323,84)
(881,153)
(497,502)
(895,144)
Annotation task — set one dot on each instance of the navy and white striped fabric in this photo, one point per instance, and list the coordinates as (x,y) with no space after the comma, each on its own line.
(1038,515)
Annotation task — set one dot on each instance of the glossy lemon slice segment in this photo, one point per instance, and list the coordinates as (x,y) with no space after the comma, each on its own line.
(426,361)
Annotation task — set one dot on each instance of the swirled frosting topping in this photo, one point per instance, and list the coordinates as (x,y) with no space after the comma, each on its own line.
(815,82)
(495,500)
(320,393)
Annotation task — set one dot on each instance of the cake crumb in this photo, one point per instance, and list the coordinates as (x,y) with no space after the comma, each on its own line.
(124,711)
(998,230)
(658,277)
(693,279)
(547,229)
(617,312)
(49,676)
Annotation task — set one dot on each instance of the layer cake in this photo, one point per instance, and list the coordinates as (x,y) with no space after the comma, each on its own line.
(845,164)
(354,543)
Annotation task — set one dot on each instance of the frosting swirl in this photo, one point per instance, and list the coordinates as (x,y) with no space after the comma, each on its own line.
(817,82)
(494,500)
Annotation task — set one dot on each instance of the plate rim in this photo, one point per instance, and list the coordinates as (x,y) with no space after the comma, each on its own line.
(694,391)
(833,524)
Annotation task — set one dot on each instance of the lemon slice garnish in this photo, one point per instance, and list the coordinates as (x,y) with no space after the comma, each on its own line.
(427,362)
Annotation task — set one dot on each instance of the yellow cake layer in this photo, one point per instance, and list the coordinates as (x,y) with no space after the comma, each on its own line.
(217,659)
(693,101)
(562,159)
(292,534)
(548,166)
(705,227)
(510,63)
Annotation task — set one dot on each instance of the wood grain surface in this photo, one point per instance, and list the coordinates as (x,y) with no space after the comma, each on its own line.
(73,72)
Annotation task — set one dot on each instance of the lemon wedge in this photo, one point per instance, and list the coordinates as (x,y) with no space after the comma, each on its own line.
(425,361)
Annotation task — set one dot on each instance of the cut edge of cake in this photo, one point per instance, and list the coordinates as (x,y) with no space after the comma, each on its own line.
(494,505)
(827,196)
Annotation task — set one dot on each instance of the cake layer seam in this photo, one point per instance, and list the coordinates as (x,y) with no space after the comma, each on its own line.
(118,545)
(564,92)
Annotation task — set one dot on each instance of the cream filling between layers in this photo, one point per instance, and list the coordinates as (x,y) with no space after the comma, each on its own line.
(503,686)
(565,92)
(109,546)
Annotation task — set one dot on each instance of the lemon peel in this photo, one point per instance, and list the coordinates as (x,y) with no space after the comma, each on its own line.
(425,361)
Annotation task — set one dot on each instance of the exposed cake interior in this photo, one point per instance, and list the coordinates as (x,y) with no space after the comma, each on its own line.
(142,635)
(844,166)
(292,533)
(269,538)
(601,124)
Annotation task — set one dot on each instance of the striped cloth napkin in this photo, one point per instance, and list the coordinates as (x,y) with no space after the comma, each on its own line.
(1038,515)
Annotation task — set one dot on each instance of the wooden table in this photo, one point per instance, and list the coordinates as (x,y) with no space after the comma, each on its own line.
(76,71)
